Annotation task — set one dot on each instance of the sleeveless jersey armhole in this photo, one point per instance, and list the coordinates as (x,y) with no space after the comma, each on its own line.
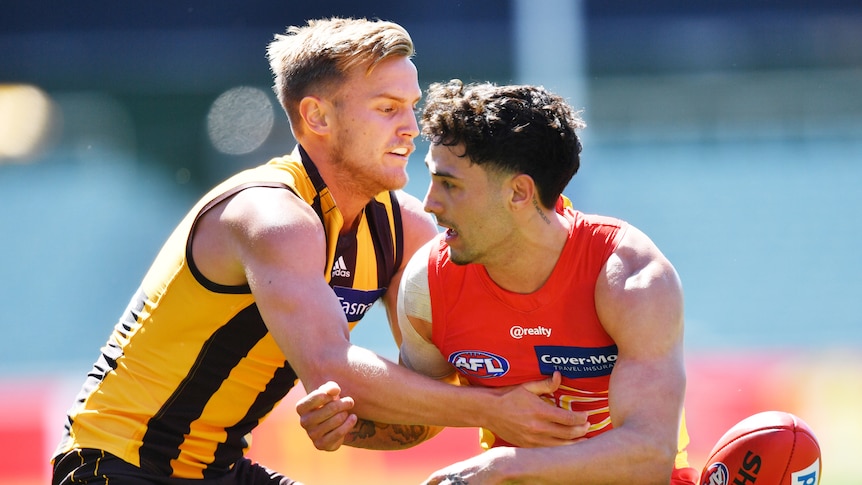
(193,268)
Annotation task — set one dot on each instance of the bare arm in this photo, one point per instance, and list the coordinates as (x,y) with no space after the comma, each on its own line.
(639,301)
(419,229)
(367,434)
(358,432)
(272,240)
(420,354)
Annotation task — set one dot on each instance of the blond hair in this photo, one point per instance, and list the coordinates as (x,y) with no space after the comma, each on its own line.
(317,57)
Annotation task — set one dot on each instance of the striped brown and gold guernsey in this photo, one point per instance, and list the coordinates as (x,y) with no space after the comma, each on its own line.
(191,369)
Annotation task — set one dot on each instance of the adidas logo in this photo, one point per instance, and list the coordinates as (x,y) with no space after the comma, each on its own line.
(340,269)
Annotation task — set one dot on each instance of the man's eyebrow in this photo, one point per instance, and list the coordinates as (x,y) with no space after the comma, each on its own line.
(440,173)
(396,98)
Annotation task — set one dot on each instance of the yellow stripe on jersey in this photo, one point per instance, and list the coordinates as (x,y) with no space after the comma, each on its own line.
(191,368)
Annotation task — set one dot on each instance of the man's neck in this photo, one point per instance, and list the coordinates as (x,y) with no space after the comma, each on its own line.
(349,203)
(526,265)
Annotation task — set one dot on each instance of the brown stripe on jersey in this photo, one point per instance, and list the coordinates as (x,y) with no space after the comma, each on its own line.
(317,181)
(388,256)
(345,252)
(111,352)
(399,231)
(219,355)
(229,450)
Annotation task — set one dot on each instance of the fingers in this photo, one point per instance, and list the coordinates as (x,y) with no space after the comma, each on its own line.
(556,436)
(559,427)
(327,438)
(538,421)
(568,418)
(325,416)
(318,397)
(545,386)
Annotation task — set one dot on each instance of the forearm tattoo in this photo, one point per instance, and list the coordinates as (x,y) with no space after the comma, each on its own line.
(386,436)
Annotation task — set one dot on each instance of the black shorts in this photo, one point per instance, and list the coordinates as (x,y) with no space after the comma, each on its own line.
(92,467)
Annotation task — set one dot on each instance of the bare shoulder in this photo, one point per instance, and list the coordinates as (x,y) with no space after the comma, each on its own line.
(639,294)
(256,225)
(416,269)
(257,211)
(419,228)
(637,264)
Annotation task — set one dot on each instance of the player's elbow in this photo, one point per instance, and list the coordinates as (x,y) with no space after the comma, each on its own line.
(650,458)
(332,366)
(659,458)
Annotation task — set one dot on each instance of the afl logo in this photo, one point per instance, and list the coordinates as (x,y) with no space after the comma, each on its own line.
(716,474)
(475,363)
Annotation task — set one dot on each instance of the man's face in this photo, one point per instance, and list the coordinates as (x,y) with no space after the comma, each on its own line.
(375,124)
(470,203)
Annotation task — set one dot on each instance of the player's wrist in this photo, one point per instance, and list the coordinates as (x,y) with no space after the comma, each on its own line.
(486,407)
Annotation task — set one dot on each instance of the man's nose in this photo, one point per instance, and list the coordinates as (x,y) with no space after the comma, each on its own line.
(430,205)
(411,126)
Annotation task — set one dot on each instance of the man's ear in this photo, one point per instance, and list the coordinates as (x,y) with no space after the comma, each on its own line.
(314,115)
(523,190)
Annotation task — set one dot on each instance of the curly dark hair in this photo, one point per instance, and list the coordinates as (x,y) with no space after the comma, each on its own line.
(514,129)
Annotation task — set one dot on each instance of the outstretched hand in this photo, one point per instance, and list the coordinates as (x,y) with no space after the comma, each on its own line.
(326,416)
(525,419)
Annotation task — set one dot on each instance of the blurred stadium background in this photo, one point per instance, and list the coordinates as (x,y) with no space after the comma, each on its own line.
(731,132)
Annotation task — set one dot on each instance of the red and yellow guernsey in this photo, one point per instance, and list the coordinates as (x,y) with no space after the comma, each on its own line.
(495,337)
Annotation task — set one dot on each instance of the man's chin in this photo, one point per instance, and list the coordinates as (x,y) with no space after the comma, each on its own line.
(397,182)
(459,258)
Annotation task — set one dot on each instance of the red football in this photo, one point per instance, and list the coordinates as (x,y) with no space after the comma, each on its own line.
(769,448)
